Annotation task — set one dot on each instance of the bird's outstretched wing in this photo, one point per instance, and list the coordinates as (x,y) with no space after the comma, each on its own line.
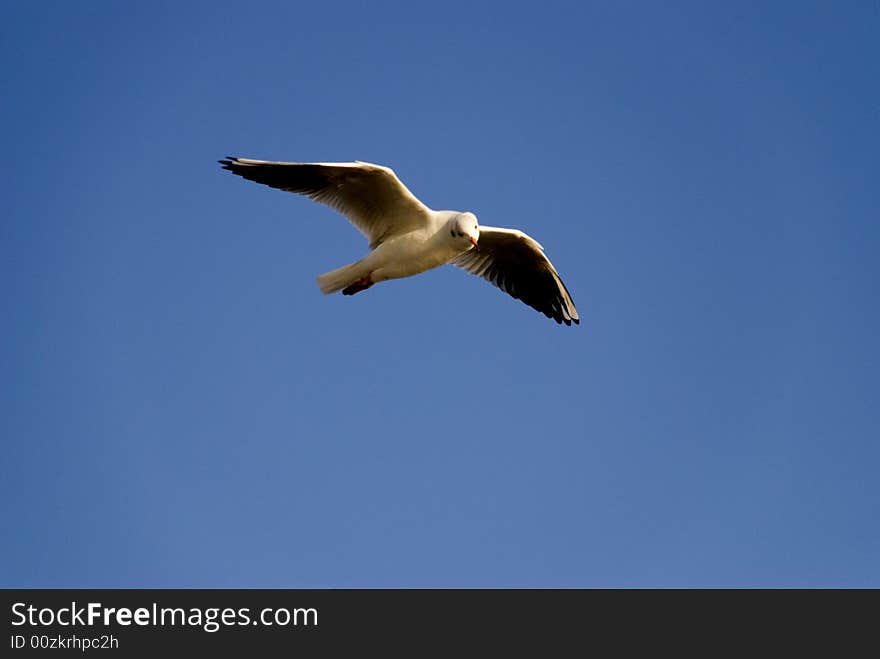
(370,196)
(516,264)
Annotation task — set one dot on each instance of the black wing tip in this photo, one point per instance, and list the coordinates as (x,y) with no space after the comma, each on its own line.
(568,318)
(231,163)
(552,310)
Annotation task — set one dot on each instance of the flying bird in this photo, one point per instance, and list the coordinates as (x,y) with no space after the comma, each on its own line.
(406,237)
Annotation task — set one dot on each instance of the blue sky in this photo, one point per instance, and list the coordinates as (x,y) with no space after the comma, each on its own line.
(181,407)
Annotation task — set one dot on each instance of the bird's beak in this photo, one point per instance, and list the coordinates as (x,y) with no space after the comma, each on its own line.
(473,241)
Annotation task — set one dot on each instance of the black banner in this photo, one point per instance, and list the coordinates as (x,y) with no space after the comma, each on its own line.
(128,622)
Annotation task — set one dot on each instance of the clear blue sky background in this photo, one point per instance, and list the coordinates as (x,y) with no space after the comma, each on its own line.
(182,407)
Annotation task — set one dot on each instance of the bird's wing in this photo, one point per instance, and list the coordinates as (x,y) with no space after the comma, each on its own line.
(516,264)
(370,196)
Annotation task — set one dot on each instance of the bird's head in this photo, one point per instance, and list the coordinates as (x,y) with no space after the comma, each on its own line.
(465,229)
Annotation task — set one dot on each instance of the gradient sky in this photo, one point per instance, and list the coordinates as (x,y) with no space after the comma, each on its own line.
(181,407)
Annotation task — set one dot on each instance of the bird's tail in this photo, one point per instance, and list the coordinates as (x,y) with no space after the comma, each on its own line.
(336,280)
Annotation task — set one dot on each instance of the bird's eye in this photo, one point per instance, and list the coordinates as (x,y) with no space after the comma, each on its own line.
(452,232)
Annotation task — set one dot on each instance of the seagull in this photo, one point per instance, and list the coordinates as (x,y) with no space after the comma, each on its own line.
(406,237)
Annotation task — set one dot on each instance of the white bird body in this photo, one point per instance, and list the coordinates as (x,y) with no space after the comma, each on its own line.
(401,256)
(407,238)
